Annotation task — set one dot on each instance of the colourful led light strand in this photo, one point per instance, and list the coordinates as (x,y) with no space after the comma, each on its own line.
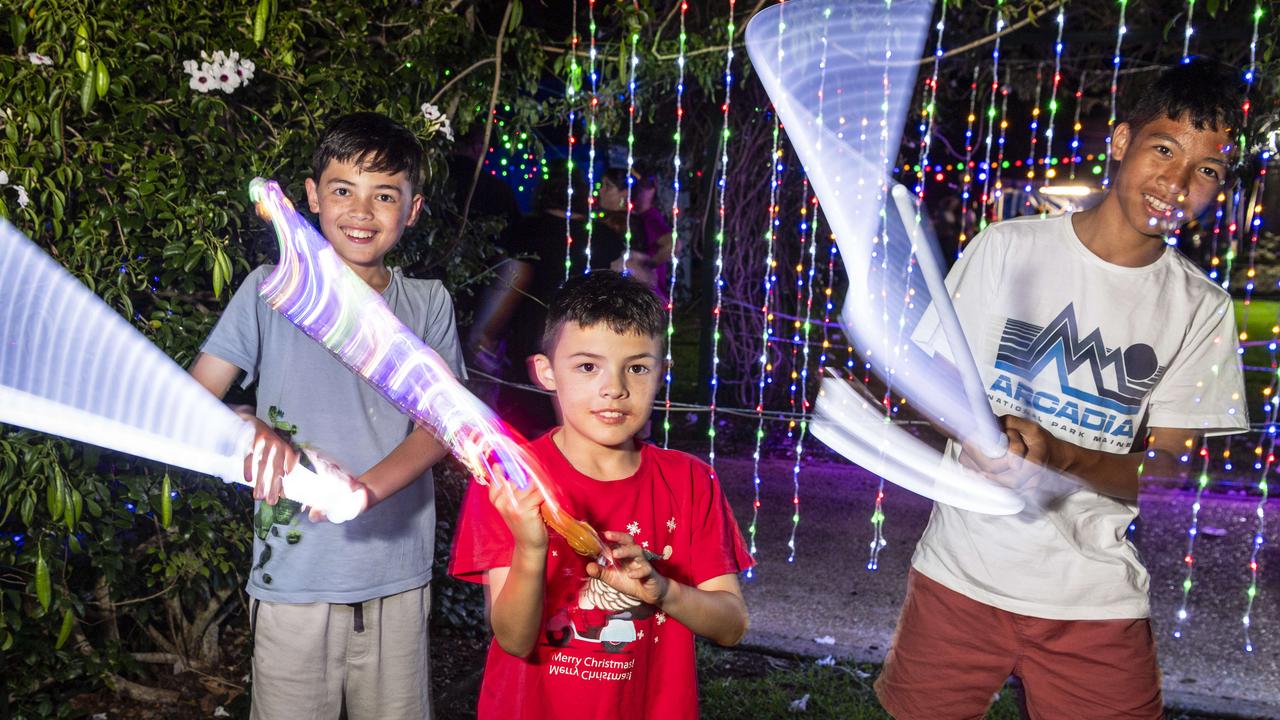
(1076,125)
(1259,537)
(1034,131)
(878,541)
(570,92)
(806,199)
(769,281)
(985,168)
(1188,558)
(315,290)
(967,182)
(1121,29)
(997,192)
(592,128)
(676,169)
(1186,35)
(929,110)
(1050,172)
(632,62)
(719,238)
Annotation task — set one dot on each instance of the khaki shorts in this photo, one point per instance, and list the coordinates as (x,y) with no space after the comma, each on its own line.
(951,654)
(308,660)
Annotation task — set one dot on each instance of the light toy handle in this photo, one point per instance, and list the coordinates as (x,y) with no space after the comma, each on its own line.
(987,437)
(327,489)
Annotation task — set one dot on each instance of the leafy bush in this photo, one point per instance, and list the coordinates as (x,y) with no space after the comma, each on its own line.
(136,182)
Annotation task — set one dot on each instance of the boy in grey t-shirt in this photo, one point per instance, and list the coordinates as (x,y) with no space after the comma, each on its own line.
(340,611)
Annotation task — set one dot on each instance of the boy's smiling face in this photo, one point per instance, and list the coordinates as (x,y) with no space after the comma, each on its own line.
(1169,172)
(604,381)
(362,213)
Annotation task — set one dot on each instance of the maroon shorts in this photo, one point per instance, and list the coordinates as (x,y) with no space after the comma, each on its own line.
(951,655)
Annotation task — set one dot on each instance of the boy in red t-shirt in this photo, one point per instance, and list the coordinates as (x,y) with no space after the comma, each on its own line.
(573,638)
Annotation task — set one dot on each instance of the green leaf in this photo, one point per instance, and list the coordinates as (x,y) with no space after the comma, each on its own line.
(88,92)
(102,79)
(43,587)
(166,503)
(64,632)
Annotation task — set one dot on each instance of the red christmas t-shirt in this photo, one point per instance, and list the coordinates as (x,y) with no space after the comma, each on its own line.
(603,654)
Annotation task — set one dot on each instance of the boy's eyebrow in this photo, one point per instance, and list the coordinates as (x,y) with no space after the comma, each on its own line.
(1166,137)
(382,186)
(595,356)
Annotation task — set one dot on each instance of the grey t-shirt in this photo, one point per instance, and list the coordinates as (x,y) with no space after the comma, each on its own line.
(386,550)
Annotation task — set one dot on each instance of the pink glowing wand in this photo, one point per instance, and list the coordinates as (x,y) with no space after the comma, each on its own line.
(315,290)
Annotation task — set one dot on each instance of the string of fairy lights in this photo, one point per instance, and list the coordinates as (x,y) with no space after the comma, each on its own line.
(718,279)
(1260,510)
(776,168)
(572,82)
(1115,81)
(633,61)
(593,109)
(1237,220)
(677,169)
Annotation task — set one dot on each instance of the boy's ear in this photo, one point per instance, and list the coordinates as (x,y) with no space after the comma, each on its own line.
(1120,138)
(415,207)
(542,373)
(313,195)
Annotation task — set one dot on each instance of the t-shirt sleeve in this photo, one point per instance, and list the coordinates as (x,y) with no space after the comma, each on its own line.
(720,549)
(973,282)
(482,540)
(442,333)
(237,338)
(1204,387)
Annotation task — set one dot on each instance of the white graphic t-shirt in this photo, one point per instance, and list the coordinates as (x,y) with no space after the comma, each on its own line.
(1095,353)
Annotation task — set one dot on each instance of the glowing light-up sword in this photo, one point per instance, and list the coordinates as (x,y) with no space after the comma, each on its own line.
(316,291)
(71,366)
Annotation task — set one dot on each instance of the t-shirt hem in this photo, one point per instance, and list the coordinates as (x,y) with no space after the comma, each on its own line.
(337,598)
(1139,609)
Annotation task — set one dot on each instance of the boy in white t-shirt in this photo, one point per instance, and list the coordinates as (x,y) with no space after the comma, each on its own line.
(1107,355)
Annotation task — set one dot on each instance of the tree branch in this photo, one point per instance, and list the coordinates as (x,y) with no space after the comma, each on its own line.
(459,76)
(488,119)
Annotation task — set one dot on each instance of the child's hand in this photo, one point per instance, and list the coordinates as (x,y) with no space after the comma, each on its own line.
(1030,448)
(329,469)
(524,518)
(271,458)
(631,572)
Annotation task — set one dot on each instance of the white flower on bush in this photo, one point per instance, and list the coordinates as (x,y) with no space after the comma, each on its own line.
(23,200)
(437,122)
(221,71)
(38,59)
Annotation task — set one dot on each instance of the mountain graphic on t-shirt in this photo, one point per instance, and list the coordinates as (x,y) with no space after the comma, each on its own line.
(1027,349)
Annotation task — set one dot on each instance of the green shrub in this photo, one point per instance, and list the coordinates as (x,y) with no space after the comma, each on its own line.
(137,183)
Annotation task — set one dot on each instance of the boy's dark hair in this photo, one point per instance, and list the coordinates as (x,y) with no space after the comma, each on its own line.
(372,141)
(1208,93)
(624,304)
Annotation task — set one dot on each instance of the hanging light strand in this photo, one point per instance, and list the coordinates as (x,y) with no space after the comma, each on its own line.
(719,238)
(570,96)
(593,73)
(929,110)
(776,168)
(632,62)
(1115,80)
(967,169)
(1050,171)
(676,170)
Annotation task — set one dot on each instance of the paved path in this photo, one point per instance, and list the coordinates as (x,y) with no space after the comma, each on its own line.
(827,590)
